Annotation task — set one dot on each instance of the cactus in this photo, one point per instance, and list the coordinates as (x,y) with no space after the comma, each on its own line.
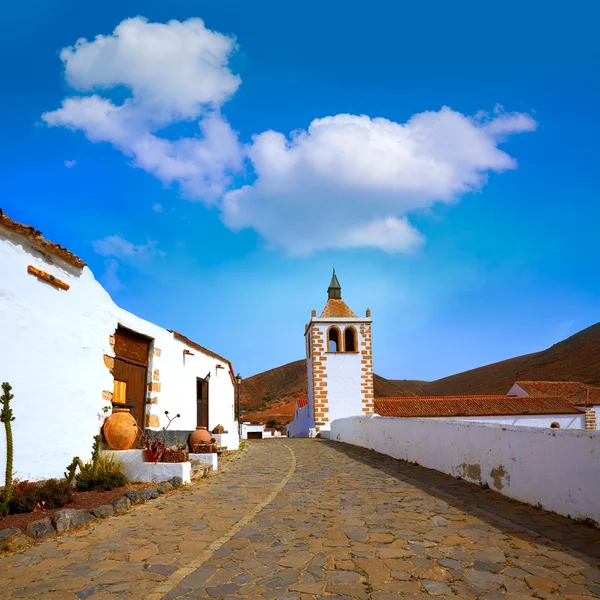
(70,473)
(96,453)
(6,416)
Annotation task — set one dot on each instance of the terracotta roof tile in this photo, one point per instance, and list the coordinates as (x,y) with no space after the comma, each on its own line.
(35,236)
(472,406)
(574,391)
(336,308)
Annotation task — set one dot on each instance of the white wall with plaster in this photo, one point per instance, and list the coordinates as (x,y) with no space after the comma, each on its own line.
(53,343)
(564,421)
(138,470)
(252,428)
(342,375)
(554,467)
(302,422)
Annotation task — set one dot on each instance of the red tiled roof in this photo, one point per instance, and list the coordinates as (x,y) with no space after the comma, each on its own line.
(36,236)
(302,402)
(185,340)
(336,307)
(472,406)
(574,391)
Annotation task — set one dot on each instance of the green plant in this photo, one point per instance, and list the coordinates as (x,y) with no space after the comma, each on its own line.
(29,496)
(25,497)
(56,493)
(6,416)
(102,473)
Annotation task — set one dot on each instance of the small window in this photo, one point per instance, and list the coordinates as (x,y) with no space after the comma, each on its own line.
(333,339)
(350,339)
(555,425)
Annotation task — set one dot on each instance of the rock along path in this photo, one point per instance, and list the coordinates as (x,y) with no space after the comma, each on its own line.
(305,519)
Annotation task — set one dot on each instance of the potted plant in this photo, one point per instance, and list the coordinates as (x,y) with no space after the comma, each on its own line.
(157,449)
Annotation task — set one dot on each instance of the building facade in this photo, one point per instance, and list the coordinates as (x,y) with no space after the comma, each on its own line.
(70,354)
(339,363)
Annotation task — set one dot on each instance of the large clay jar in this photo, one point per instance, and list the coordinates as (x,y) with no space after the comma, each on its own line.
(200,435)
(120,429)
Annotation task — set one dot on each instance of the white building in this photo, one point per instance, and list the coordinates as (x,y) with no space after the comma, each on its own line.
(339,364)
(340,385)
(69,352)
(253,431)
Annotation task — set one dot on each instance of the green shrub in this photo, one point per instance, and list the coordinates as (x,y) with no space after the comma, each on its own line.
(103,473)
(87,481)
(28,496)
(25,497)
(55,493)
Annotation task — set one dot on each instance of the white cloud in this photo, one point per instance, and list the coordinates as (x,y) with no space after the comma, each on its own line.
(70,163)
(347,181)
(157,207)
(175,71)
(118,247)
(350,181)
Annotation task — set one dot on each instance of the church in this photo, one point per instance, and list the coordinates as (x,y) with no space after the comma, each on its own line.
(339,362)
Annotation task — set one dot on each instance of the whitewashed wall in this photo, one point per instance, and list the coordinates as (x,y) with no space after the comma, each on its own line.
(52,349)
(343,371)
(565,421)
(554,467)
(302,422)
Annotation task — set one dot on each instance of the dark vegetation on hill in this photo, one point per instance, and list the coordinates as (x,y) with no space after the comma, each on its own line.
(272,395)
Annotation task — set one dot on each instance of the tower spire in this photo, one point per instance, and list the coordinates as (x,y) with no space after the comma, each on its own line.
(334,291)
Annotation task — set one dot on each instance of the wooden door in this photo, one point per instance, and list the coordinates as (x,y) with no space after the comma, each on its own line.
(134,377)
(255,435)
(202,402)
(131,368)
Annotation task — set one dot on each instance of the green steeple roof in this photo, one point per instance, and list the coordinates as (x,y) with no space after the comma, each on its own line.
(335,289)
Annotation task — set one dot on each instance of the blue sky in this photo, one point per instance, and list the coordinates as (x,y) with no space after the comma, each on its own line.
(471,237)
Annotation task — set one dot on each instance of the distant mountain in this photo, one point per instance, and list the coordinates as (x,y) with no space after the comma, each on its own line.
(273,394)
(575,359)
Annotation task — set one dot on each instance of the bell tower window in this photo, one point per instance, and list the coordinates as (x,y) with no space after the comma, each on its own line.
(333,340)
(350,339)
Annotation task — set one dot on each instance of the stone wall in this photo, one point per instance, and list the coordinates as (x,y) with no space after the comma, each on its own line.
(553,468)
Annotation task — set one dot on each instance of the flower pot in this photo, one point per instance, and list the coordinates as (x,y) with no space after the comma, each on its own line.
(120,429)
(200,435)
(205,448)
(175,455)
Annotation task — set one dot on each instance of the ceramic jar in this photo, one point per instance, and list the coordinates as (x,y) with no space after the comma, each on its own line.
(200,435)
(120,429)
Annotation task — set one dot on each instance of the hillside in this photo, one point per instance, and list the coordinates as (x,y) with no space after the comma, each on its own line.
(575,359)
(273,394)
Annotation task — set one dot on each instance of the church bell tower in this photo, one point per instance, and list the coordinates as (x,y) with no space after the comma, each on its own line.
(339,361)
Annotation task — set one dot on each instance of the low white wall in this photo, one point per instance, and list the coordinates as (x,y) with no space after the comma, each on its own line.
(137,470)
(206,459)
(565,421)
(557,468)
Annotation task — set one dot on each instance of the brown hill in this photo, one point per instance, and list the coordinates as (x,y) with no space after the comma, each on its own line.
(575,359)
(273,394)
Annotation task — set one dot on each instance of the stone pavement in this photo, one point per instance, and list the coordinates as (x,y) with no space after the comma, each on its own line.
(305,519)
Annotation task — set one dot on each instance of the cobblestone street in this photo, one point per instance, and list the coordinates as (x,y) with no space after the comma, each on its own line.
(304,519)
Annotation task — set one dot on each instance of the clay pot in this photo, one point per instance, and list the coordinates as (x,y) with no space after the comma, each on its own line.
(120,429)
(200,435)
